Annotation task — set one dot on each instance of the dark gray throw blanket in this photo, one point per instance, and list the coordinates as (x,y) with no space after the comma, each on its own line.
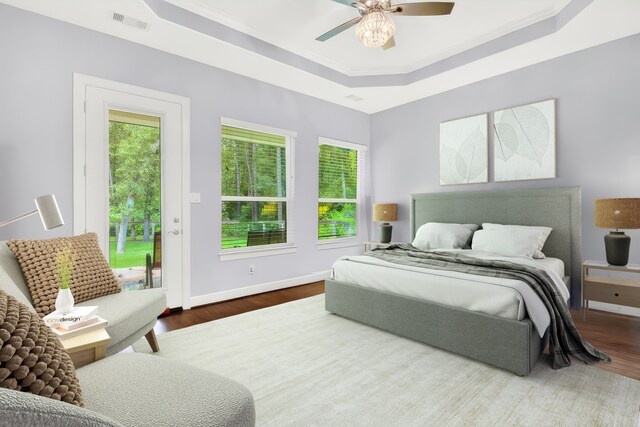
(564,338)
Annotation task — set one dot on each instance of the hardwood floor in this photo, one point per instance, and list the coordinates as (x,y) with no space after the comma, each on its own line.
(223,309)
(616,335)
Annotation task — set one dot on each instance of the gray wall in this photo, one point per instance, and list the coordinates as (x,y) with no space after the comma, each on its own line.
(37,58)
(598,142)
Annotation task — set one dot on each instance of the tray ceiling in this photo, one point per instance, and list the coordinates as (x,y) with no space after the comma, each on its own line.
(293,25)
(273,40)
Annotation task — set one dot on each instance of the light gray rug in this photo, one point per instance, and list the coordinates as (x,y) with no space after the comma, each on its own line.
(307,367)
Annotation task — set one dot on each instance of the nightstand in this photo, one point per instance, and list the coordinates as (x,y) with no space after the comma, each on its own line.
(87,348)
(370,245)
(612,290)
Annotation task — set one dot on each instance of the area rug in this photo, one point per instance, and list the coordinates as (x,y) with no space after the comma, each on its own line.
(307,367)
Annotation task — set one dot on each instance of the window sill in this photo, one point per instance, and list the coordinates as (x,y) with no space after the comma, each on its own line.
(338,243)
(255,252)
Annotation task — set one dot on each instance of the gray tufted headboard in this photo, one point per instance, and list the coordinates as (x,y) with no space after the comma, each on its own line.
(559,208)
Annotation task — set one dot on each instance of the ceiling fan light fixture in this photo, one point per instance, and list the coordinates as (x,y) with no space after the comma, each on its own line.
(375,29)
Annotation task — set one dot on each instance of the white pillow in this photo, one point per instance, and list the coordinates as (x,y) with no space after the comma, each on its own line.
(507,242)
(542,238)
(437,235)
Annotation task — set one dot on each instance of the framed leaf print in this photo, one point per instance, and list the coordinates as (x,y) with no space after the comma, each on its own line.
(464,151)
(524,142)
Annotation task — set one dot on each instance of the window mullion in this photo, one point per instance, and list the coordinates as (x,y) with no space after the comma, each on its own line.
(252,199)
(322,200)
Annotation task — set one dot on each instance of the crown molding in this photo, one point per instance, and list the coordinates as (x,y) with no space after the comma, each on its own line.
(198,8)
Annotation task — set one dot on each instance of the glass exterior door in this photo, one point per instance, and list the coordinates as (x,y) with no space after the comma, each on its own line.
(135,205)
(132,195)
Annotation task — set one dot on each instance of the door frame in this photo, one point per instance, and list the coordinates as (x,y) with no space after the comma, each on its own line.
(80,84)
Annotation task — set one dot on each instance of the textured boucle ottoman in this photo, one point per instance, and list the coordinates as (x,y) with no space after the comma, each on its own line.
(147,390)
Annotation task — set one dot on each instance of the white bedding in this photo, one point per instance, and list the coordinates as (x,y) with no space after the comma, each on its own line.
(507,298)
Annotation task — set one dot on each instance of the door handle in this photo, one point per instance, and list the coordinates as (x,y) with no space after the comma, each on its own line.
(174,232)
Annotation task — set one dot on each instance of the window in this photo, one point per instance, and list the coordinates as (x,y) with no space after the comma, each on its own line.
(256,187)
(340,166)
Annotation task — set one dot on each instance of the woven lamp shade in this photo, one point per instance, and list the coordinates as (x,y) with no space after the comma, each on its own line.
(618,213)
(385,212)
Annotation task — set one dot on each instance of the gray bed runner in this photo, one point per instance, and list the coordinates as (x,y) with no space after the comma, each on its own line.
(564,338)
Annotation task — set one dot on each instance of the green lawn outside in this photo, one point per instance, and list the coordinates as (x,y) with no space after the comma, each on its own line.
(234,242)
(134,255)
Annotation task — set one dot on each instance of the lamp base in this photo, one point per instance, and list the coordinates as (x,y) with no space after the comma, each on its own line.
(617,244)
(385,232)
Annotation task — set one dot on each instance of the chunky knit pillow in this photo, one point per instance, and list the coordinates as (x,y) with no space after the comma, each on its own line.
(91,276)
(32,358)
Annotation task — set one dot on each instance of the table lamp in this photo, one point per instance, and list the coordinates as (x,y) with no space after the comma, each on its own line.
(49,212)
(385,212)
(617,214)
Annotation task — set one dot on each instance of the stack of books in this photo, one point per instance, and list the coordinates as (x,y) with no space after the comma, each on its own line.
(77,322)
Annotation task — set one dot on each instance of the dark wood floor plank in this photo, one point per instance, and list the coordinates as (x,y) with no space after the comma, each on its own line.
(223,309)
(615,334)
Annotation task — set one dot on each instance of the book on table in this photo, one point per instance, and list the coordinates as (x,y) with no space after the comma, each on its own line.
(70,326)
(94,324)
(78,314)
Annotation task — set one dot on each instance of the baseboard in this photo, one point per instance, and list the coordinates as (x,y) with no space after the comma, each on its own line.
(614,308)
(258,289)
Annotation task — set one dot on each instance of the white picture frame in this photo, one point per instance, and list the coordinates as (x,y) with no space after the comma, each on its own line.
(524,142)
(464,146)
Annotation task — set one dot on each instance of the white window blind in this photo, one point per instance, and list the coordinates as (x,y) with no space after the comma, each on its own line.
(255,186)
(340,171)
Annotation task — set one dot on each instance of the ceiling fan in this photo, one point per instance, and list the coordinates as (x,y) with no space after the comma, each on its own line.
(374,26)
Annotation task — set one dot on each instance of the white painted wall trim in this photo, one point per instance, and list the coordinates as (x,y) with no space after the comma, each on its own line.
(348,242)
(258,289)
(80,84)
(322,140)
(614,308)
(257,251)
(257,127)
(186,204)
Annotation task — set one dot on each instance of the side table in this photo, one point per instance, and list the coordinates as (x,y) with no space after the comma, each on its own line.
(87,348)
(610,289)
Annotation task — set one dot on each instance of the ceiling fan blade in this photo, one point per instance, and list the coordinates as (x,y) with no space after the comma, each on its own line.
(337,30)
(424,9)
(351,3)
(389,44)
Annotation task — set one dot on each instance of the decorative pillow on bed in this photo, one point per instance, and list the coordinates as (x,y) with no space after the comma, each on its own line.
(521,243)
(542,238)
(32,358)
(91,276)
(438,235)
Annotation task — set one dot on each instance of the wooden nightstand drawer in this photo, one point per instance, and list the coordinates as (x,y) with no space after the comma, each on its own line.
(612,293)
(611,284)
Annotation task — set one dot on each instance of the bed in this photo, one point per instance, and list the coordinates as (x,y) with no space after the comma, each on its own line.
(511,344)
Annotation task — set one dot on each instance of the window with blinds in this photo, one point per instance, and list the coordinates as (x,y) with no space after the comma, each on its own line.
(254,188)
(339,171)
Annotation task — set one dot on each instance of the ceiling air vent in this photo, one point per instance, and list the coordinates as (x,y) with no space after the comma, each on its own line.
(130,21)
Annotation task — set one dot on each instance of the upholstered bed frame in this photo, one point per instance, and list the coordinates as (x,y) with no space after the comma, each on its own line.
(509,344)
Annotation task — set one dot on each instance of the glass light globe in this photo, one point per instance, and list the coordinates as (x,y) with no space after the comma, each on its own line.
(375,29)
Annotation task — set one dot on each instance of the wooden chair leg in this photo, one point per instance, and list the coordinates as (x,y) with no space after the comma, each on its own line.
(153,342)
